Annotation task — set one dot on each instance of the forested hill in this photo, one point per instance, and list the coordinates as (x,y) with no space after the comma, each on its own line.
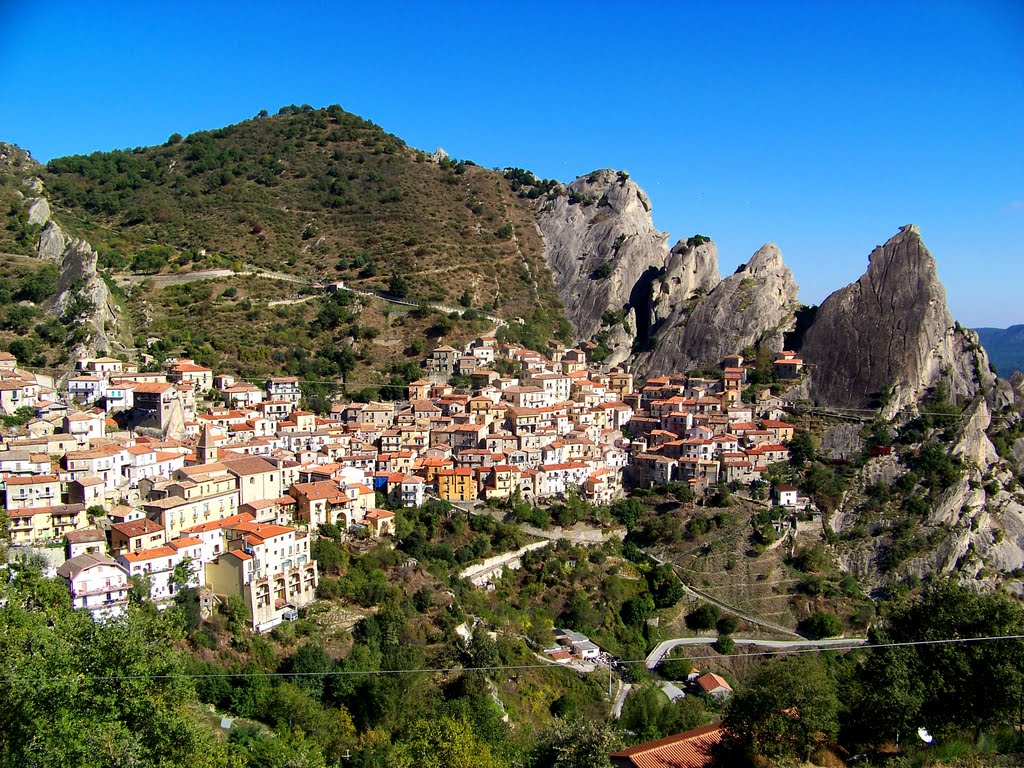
(1005,347)
(314,192)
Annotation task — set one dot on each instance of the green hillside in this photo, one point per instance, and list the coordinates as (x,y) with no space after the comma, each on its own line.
(314,195)
(319,193)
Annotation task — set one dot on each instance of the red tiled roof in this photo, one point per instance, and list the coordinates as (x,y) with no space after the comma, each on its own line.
(710,682)
(691,749)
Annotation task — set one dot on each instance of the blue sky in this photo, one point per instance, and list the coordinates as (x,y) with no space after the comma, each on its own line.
(820,126)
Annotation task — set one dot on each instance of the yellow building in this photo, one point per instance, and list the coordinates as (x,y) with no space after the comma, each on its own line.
(270,567)
(456,484)
(36,525)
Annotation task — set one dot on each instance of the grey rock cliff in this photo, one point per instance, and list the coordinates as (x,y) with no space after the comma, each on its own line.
(892,328)
(78,277)
(691,272)
(38,211)
(756,305)
(603,251)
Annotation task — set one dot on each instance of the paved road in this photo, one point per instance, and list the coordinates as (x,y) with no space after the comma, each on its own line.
(664,647)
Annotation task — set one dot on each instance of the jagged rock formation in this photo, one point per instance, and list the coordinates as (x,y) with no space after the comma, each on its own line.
(39,211)
(604,252)
(756,305)
(79,280)
(974,529)
(892,328)
(691,271)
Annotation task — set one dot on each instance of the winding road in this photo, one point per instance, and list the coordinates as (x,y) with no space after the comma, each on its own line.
(655,656)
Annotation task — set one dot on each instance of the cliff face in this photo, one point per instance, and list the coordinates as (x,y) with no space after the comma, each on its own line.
(603,250)
(755,305)
(79,287)
(691,272)
(892,328)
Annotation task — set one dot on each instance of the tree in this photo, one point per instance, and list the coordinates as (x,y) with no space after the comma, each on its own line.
(94,694)
(703,617)
(398,286)
(945,687)
(575,744)
(648,714)
(801,449)
(788,708)
(675,668)
(447,742)
(727,625)
(821,624)
(237,613)
(628,511)
(724,645)
(637,610)
(311,664)
(482,650)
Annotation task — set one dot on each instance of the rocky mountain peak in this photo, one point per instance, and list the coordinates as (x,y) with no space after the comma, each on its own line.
(889,337)
(604,252)
(766,262)
(614,190)
(754,306)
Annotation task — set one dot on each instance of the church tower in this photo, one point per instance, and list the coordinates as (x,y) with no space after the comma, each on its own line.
(206,449)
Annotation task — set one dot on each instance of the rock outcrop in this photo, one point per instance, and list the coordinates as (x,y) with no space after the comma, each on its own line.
(754,306)
(79,287)
(39,211)
(891,331)
(691,272)
(604,252)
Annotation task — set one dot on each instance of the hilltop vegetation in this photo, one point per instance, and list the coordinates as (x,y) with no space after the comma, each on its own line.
(318,193)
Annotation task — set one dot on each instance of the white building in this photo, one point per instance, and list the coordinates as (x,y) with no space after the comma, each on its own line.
(98,584)
(270,567)
(158,566)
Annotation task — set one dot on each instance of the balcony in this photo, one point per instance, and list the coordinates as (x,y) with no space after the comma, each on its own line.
(99,590)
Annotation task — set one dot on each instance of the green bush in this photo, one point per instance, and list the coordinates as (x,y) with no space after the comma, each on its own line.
(821,624)
(703,617)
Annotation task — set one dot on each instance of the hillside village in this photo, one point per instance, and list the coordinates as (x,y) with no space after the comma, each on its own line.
(190,477)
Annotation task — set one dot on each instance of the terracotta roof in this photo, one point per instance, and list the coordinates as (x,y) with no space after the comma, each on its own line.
(691,749)
(250,465)
(215,525)
(710,682)
(137,527)
(149,554)
(263,530)
(152,388)
(32,480)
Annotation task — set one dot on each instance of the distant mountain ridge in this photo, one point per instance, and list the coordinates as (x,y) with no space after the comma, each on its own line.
(1005,347)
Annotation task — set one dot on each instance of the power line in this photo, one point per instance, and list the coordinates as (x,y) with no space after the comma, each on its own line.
(496,668)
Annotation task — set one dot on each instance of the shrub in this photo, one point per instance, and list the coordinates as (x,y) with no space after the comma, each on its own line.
(822,624)
(727,625)
(724,645)
(703,617)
